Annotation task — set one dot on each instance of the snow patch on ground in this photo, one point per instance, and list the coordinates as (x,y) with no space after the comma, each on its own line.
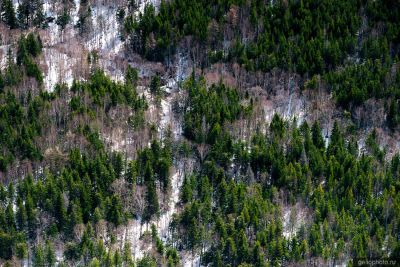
(191,260)
(106,37)
(135,229)
(143,3)
(293,217)
(59,68)
(74,15)
(172,90)
(288,104)
(165,219)
(134,232)
(167,120)
(3,56)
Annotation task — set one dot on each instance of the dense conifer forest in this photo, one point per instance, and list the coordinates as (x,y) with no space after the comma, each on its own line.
(199,133)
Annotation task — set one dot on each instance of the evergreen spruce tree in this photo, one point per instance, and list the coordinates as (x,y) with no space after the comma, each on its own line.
(152,206)
(25,13)
(393,117)
(39,18)
(8,14)
(317,138)
(39,258)
(50,254)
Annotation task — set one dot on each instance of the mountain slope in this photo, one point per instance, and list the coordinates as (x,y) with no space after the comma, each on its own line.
(199,133)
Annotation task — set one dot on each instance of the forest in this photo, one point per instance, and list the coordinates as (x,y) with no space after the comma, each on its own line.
(126,166)
(305,37)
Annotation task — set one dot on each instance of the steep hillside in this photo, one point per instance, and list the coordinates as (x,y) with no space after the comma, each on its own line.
(199,133)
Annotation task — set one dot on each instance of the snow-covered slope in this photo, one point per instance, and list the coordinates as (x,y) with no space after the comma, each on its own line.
(66,51)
